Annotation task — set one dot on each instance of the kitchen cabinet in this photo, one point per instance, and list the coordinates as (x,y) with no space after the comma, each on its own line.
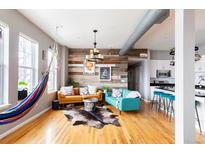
(160,65)
(200,65)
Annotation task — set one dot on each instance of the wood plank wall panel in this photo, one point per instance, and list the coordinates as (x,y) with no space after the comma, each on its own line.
(118,63)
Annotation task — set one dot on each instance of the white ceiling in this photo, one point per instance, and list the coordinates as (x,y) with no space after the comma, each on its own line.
(161,37)
(115,26)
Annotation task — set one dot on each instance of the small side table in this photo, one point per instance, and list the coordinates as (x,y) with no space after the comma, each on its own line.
(90,104)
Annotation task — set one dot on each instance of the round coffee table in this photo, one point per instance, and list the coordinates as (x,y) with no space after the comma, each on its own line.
(90,104)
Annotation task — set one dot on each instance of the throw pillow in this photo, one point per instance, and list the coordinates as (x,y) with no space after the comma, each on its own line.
(92,89)
(116,93)
(68,91)
(84,91)
(133,94)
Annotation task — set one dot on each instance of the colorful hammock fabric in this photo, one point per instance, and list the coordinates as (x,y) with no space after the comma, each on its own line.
(22,108)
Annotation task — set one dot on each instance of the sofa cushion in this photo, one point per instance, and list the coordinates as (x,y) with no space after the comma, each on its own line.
(92,89)
(84,91)
(76,91)
(74,98)
(67,91)
(116,93)
(125,93)
(133,94)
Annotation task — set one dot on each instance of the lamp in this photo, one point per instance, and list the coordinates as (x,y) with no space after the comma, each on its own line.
(94,53)
(172,53)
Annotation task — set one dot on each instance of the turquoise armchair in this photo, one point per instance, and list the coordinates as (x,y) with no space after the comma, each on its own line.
(123,103)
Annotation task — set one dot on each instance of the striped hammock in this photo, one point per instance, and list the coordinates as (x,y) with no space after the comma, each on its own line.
(22,108)
(26,105)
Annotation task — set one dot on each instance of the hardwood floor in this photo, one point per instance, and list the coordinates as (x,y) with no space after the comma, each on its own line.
(145,126)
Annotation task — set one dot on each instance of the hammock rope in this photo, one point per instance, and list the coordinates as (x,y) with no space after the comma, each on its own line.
(27,104)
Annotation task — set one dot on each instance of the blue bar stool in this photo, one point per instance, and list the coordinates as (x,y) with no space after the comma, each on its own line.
(164,100)
(170,107)
(156,99)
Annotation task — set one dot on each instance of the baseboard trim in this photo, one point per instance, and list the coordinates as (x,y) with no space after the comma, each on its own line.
(23,123)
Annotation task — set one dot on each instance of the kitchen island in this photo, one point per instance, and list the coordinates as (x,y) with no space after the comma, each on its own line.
(199,96)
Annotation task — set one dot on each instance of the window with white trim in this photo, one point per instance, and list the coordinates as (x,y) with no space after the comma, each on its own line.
(52,82)
(3,63)
(28,63)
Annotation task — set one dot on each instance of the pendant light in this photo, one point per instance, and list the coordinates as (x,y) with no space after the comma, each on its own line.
(94,55)
(172,53)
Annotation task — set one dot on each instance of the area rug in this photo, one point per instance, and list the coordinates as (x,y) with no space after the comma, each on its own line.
(98,118)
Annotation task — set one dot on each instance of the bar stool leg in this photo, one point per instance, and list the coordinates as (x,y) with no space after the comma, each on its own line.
(153,101)
(172,110)
(157,102)
(164,102)
(198,120)
(168,108)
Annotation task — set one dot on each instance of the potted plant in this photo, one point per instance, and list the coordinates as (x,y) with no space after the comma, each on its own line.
(73,83)
(105,88)
(22,90)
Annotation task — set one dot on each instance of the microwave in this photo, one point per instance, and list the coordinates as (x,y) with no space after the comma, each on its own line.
(163,73)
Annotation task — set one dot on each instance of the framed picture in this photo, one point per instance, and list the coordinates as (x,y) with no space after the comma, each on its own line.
(105,73)
(89,67)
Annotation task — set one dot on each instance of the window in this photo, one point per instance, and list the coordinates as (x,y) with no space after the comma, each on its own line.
(3,64)
(53,73)
(28,53)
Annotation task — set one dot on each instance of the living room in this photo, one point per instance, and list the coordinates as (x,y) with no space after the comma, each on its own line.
(64,76)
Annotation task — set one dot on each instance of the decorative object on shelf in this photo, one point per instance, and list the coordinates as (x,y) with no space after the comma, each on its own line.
(105,73)
(73,83)
(172,53)
(89,67)
(95,55)
(143,55)
(197,54)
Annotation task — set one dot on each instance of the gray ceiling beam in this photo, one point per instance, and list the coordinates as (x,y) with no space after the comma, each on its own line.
(155,16)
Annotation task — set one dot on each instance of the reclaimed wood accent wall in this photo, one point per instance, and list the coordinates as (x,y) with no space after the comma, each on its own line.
(119,68)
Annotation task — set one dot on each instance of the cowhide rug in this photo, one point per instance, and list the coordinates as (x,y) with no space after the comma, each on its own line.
(98,118)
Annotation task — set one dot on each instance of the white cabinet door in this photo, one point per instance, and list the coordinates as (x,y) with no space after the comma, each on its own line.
(200,65)
(161,65)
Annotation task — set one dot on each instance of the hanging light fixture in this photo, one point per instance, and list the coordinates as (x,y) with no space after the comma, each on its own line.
(54,48)
(94,55)
(172,53)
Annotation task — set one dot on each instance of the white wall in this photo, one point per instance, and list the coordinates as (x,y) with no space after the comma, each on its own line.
(142,77)
(18,23)
(64,66)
